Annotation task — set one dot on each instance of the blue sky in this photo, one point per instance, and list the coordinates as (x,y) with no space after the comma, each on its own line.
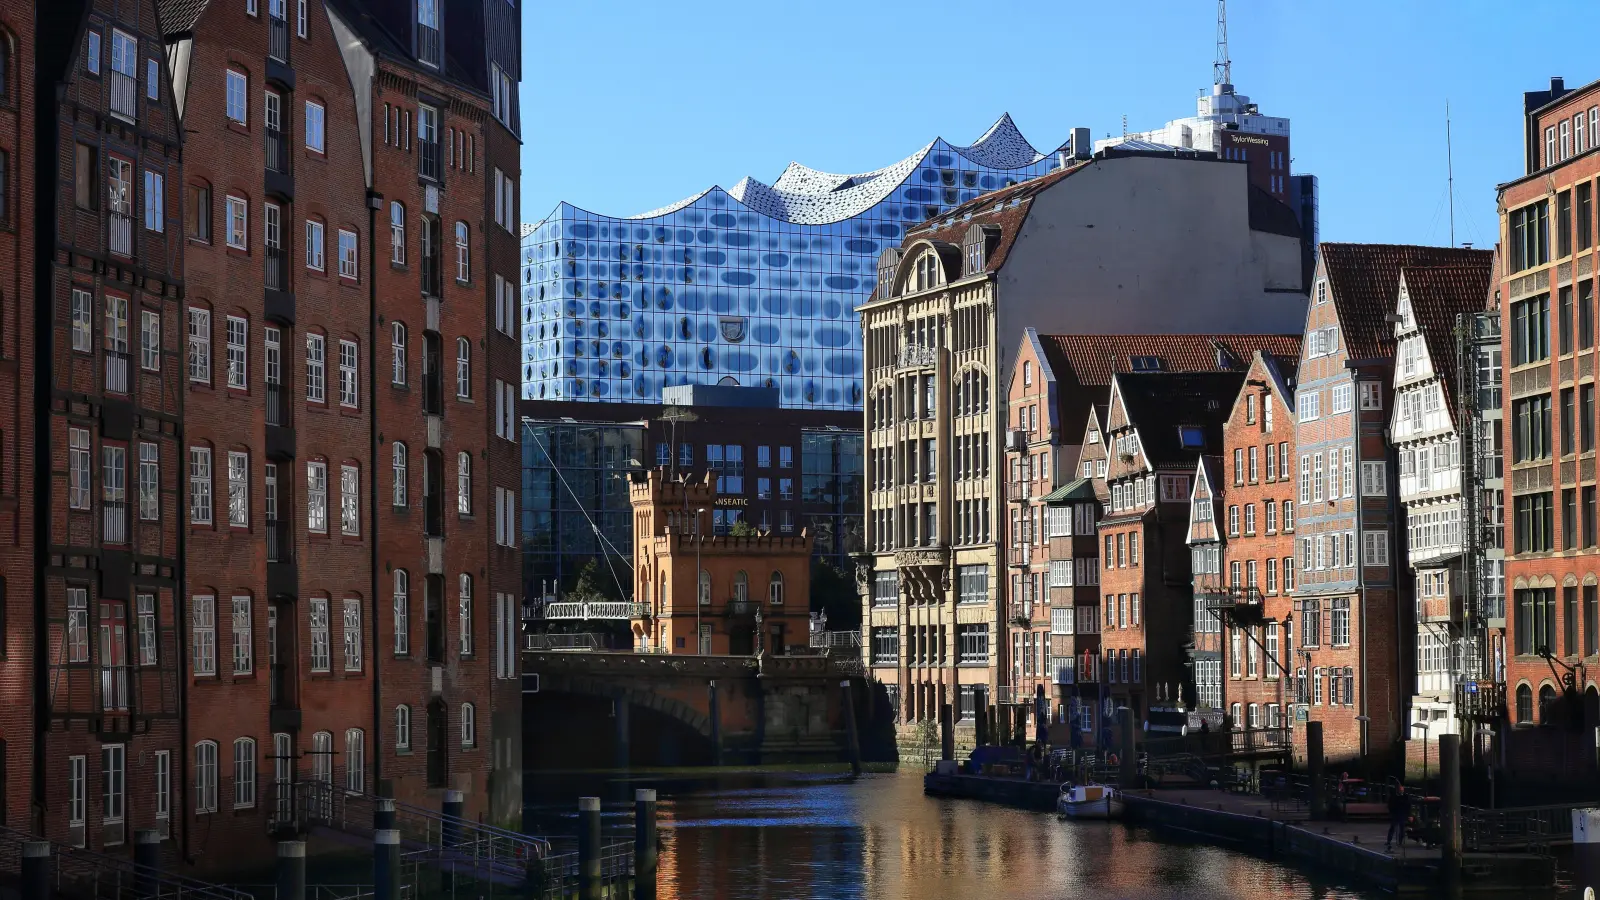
(632,104)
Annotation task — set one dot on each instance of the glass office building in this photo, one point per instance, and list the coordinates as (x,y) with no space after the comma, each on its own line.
(755,286)
(575,504)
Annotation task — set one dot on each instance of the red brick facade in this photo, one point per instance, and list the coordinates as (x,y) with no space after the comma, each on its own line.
(1547,278)
(112,561)
(17,405)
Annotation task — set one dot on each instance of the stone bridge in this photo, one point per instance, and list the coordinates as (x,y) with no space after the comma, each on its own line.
(668,709)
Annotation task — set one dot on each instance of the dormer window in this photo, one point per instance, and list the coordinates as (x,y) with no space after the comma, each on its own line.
(428,45)
(1191,437)
(1145,363)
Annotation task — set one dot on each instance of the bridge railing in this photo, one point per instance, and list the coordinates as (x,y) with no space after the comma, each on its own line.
(563,642)
(610,609)
(87,875)
(842,640)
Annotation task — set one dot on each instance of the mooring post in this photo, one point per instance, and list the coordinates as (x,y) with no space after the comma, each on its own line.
(382,813)
(1450,815)
(385,864)
(852,739)
(716,725)
(291,870)
(1586,847)
(1130,756)
(1319,800)
(450,829)
(147,855)
(947,733)
(36,870)
(644,844)
(588,848)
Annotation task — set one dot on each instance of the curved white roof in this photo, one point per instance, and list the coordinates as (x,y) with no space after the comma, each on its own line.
(806,196)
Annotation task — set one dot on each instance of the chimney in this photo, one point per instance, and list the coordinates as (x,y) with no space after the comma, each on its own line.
(1558,86)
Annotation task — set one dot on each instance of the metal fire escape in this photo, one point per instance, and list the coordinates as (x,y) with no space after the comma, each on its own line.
(1479,693)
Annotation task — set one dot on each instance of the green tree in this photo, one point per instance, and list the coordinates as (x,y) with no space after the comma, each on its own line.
(742,529)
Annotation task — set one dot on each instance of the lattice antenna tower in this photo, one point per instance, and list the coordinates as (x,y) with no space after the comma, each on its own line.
(1222,68)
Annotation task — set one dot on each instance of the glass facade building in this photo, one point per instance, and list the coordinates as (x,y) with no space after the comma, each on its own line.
(756,285)
(575,474)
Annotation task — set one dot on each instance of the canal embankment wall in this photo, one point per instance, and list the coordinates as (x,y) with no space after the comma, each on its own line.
(1304,843)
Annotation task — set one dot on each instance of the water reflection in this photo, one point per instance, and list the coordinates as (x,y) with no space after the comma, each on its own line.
(785,836)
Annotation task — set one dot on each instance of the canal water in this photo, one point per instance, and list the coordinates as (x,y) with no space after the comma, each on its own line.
(786,836)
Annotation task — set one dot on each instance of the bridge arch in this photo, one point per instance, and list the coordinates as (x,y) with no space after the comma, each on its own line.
(695,719)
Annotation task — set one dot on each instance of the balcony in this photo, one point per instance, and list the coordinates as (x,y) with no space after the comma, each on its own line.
(1236,605)
(1439,609)
(114,522)
(430,160)
(428,45)
(1481,701)
(116,372)
(120,236)
(283,576)
(1019,491)
(284,710)
(280,424)
(433,394)
(114,687)
(1021,554)
(916,356)
(433,516)
(278,39)
(741,609)
(125,96)
(280,163)
(1258,740)
(1021,614)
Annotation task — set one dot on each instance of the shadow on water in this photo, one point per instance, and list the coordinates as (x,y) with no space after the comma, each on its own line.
(764,835)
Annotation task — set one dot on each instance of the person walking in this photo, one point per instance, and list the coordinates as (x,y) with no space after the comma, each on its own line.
(1399,812)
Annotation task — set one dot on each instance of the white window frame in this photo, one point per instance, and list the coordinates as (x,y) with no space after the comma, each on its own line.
(205,777)
(82,321)
(203,631)
(352,634)
(199,323)
(399,465)
(349,374)
(317,617)
(316,367)
(402,727)
(350,501)
(397,347)
(402,612)
(349,248)
(237,348)
(200,498)
(236,97)
(463,369)
(149,340)
(243,635)
(317,497)
(355,760)
(316,233)
(316,119)
(397,233)
(155,201)
(464,612)
(469,726)
(463,238)
(1374,548)
(237,211)
(244,773)
(238,489)
(79,471)
(464,483)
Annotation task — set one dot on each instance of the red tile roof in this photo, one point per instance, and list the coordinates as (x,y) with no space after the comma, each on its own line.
(1005,209)
(1437,295)
(1364,281)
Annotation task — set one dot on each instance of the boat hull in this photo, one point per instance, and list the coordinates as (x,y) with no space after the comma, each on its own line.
(1093,803)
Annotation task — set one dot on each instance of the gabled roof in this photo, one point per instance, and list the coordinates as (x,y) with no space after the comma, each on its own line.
(1208,471)
(1158,405)
(1082,489)
(179,16)
(1437,294)
(1092,359)
(1364,279)
(1006,209)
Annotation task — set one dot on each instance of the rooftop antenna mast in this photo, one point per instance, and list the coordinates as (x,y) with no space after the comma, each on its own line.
(1222,68)
(1450,172)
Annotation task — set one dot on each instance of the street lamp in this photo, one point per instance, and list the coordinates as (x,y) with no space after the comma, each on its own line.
(759,640)
(1424,727)
(699,598)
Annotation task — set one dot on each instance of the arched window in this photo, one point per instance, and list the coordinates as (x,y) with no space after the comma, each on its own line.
(705,587)
(463,254)
(464,614)
(741,586)
(463,368)
(322,770)
(1547,704)
(775,589)
(397,342)
(469,726)
(355,760)
(1524,705)
(402,612)
(397,233)
(244,773)
(464,483)
(205,777)
(402,727)
(399,452)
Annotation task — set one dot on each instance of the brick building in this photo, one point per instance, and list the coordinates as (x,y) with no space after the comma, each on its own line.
(110,753)
(1242,527)
(1352,598)
(751,594)
(1156,426)
(1546,297)
(1055,459)
(17,402)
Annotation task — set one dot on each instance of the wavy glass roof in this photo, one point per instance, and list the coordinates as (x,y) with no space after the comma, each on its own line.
(756,285)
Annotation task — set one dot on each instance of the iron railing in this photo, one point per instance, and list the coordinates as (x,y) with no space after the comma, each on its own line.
(116,372)
(847,640)
(86,875)
(563,642)
(114,522)
(603,610)
(430,159)
(280,545)
(125,95)
(277,146)
(114,687)
(277,406)
(277,274)
(428,44)
(120,235)
(278,39)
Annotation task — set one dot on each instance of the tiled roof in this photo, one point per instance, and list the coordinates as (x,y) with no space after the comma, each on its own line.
(1437,295)
(1082,489)
(1158,405)
(179,16)
(1091,359)
(1364,280)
